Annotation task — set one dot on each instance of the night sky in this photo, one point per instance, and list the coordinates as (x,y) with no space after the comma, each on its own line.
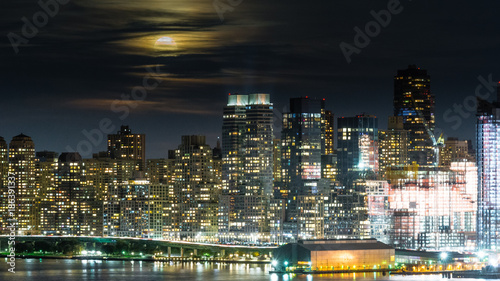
(91,52)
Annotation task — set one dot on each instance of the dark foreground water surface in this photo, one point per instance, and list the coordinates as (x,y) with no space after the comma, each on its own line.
(68,270)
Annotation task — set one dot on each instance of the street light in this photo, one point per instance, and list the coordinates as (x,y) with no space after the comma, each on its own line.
(443,256)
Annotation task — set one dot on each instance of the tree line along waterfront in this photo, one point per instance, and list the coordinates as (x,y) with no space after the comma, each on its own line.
(95,247)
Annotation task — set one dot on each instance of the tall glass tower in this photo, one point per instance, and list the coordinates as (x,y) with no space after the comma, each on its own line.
(414,101)
(247,169)
(488,162)
(302,147)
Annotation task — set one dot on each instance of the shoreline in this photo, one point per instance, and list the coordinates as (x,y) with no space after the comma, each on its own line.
(147,259)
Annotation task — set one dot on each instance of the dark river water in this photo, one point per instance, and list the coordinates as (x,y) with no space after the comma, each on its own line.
(67,270)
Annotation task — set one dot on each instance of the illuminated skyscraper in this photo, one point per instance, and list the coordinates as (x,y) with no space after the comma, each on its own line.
(393,146)
(302,147)
(75,209)
(357,147)
(46,163)
(414,101)
(247,169)
(125,145)
(102,174)
(488,161)
(22,165)
(329,120)
(258,145)
(196,191)
(233,134)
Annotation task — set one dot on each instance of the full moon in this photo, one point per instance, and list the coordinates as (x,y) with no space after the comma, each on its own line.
(165,41)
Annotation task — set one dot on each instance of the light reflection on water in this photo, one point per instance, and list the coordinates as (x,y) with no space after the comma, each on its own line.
(96,270)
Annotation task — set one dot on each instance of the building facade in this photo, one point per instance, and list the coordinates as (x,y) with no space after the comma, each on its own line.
(393,146)
(195,192)
(357,147)
(22,166)
(455,150)
(127,209)
(488,161)
(126,145)
(302,139)
(247,168)
(414,102)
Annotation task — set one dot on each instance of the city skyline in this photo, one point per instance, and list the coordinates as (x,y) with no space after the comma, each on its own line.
(252,140)
(81,61)
(254,188)
(88,135)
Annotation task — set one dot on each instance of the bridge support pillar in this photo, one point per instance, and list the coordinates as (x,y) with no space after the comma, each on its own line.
(195,252)
(223,252)
(182,252)
(169,252)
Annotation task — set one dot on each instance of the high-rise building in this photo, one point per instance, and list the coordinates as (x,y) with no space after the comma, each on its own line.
(128,209)
(22,166)
(454,150)
(46,164)
(75,209)
(488,162)
(393,146)
(435,210)
(414,101)
(196,191)
(247,167)
(357,147)
(126,145)
(233,135)
(302,144)
(159,210)
(329,120)
(346,212)
(258,146)
(379,214)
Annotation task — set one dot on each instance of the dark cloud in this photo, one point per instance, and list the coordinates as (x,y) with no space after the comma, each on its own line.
(92,52)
